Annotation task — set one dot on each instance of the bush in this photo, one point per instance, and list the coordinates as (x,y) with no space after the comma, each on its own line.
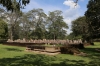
(3,30)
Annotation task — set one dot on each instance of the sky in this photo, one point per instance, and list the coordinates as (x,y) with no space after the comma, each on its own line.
(70,11)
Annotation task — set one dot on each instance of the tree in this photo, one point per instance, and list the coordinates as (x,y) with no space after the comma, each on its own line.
(80,27)
(25,26)
(93,18)
(56,26)
(11,18)
(3,29)
(37,19)
(14,4)
(13,23)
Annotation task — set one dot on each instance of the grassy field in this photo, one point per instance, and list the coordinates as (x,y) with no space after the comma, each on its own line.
(17,56)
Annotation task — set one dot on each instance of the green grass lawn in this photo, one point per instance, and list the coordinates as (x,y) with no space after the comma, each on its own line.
(17,56)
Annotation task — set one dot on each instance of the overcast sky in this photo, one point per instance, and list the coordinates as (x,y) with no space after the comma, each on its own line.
(70,11)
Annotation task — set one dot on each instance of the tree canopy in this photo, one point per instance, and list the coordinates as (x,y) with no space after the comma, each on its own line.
(79,28)
(35,24)
(93,18)
(14,4)
(57,27)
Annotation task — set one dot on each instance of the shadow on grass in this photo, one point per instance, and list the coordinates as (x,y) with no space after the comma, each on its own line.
(13,49)
(43,60)
(92,53)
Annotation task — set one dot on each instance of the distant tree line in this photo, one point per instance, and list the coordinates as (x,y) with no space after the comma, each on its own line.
(38,25)
(35,24)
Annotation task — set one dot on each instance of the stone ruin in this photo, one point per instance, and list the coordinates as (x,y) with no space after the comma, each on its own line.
(45,41)
(68,46)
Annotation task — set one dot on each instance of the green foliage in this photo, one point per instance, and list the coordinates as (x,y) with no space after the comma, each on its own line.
(24,26)
(80,28)
(93,18)
(56,26)
(3,29)
(35,24)
(12,18)
(36,20)
(39,23)
(71,36)
(14,5)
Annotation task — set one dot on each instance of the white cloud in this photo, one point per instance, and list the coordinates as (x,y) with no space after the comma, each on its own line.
(71,13)
(71,4)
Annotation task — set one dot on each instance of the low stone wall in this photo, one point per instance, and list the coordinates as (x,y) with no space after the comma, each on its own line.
(23,44)
(39,41)
(50,49)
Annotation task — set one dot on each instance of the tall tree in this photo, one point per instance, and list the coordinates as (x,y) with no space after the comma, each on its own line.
(93,18)
(13,6)
(56,26)
(80,27)
(12,20)
(37,18)
(25,26)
